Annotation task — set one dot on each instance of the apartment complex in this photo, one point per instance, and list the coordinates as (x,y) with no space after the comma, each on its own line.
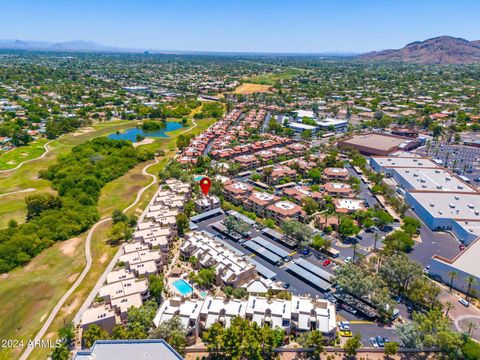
(231,268)
(299,314)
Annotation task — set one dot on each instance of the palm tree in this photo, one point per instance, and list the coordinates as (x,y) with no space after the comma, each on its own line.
(453,275)
(448,306)
(470,280)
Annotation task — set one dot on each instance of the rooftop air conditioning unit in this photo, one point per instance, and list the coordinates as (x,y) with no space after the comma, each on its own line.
(439,187)
(471,206)
(437,171)
(476,212)
(457,197)
(452,205)
(432,204)
(460,187)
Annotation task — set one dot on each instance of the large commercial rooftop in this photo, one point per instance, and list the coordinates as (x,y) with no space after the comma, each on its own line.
(408,162)
(459,206)
(432,179)
(129,350)
(376,144)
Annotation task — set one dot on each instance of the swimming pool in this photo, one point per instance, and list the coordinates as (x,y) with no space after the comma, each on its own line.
(183,287)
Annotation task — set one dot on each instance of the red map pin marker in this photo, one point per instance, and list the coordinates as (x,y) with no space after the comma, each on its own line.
(205,184)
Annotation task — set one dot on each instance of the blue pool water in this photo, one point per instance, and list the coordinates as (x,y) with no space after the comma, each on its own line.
(131,134)
(198,178)
(183,287)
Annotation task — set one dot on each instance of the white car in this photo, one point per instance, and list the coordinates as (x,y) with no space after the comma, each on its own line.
(348,259)
(464,302)
(374,342)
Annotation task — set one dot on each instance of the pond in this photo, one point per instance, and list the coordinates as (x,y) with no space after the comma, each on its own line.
(131,134)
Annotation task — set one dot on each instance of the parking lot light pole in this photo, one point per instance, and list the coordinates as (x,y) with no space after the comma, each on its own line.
(375,244)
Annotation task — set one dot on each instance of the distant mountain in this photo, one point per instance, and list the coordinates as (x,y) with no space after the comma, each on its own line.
(75,45)
(438,50)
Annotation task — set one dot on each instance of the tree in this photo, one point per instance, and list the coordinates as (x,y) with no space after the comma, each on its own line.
(383,218)
(448,306)
(314,339)
(93,333)
(206,277)
(399,241)
(411,225)
(317,242)
(470,281)
(213,340)
(347,227)
(398,271)
(156,286)
(182,223)
(173,332)
(60,353)
(120,231)
(118,216)
(310,205)
(453,275)
(391,348)
(120,332)
(315,175)
(295,229)
(38,203)
(140,320)
(352,345)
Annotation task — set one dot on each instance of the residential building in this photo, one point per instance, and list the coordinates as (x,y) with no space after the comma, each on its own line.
(335,174)
(231,268)
(348,205)
(283,210)
(338,189)
(236,191)
(258,202)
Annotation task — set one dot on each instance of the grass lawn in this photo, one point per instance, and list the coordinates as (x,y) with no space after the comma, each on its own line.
(102,253)
(28,294)
(12,158)
(273,78)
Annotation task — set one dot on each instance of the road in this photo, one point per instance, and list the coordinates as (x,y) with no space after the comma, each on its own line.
(87,267)
(47,149)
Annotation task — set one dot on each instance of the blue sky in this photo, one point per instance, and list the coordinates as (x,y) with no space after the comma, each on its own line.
(241,25)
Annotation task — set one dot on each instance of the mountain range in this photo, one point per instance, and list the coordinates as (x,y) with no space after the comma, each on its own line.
(74,45)
(438,50)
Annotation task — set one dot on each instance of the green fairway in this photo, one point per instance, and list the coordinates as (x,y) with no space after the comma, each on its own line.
(10,159)
(273,78)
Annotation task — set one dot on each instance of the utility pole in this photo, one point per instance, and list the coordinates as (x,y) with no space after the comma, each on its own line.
(354,251)
(375,244)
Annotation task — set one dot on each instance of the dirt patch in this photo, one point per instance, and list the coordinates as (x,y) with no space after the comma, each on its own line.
(137,177)
(83,131)
(3,276)
(68,247)
(248,88)
(145,141)
(72,278)
(103,259)
(69,308)
(33,266)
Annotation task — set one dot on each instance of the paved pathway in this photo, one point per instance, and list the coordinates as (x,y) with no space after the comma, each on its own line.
(85,271)
(18,192)
(47,149)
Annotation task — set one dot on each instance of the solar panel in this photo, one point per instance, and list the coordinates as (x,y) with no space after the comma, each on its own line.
(271,247)
(308,277)
(261,251)
(307,265)
(263,270)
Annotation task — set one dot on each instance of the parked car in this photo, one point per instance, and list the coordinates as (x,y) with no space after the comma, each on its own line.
(464,302)
(374,342)
(380,340)
(476,179)
(346,333)
(286,285)
(327,262)
(369,230)
(288,258)
(350,309)
(305,251)
(348,259)
(343,323)
(344,327)
(359,237)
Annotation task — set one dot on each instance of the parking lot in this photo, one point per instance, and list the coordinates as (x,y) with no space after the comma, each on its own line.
(464,160)
(296,285)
